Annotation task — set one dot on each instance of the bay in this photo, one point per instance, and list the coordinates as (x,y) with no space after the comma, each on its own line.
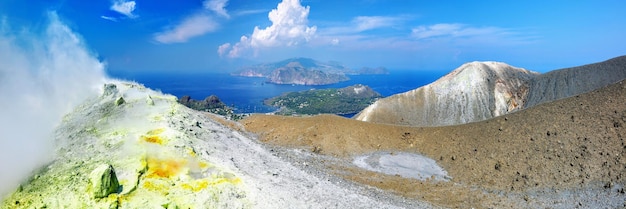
(247,94)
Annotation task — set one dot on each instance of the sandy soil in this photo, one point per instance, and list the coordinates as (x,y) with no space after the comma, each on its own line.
(568,153)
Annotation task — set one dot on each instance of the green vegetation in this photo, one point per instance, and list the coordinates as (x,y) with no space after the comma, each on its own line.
(346,100)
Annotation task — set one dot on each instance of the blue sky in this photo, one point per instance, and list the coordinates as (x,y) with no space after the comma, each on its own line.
(218,35)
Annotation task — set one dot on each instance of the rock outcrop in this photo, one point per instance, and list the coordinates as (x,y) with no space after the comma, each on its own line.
(210,102)
(481,90)
(475,91)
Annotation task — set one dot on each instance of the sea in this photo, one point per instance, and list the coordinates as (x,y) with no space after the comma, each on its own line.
(246,94)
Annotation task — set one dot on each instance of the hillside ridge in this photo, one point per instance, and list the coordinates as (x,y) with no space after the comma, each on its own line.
(477,91)
(474,91)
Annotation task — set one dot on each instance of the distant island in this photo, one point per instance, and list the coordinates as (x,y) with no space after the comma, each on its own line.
(305,71)
(346,100)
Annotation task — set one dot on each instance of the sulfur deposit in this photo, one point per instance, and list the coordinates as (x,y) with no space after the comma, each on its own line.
(132,147)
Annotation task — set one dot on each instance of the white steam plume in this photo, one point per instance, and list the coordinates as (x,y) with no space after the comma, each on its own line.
(42,77)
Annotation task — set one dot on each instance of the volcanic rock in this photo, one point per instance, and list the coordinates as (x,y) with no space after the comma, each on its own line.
(103,181)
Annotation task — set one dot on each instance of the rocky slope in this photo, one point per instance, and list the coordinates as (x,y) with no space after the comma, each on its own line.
(576,80)
(482,90)
(132,147)
(475,91)
(562,154)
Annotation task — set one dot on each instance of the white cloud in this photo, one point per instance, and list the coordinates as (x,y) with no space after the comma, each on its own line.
(222,49)
(453,30)
(462,34)
(109,18)
(249,12)
(237,50)
(124,7)
(217,6)
(195,25)
(289,28)
(363,23)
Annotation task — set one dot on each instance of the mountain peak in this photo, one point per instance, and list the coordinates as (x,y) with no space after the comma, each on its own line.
(487,68)
(481,90)
(472,92)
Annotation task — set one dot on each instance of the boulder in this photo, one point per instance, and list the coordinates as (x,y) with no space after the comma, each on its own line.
(119,101)
(149,101)
(103,181)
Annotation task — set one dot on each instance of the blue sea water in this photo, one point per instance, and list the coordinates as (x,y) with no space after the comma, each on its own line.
(247,94)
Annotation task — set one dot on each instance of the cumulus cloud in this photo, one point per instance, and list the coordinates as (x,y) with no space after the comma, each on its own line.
(289,28)
(217,6)
(222,49)
(453,30)
(124,7)
(195,25)
(42,77)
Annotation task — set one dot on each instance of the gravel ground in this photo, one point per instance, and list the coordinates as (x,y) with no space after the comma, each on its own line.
(563,154)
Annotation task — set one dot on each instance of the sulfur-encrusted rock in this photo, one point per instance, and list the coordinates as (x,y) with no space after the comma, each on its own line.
(149,101)
(103,181)
(119,101)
